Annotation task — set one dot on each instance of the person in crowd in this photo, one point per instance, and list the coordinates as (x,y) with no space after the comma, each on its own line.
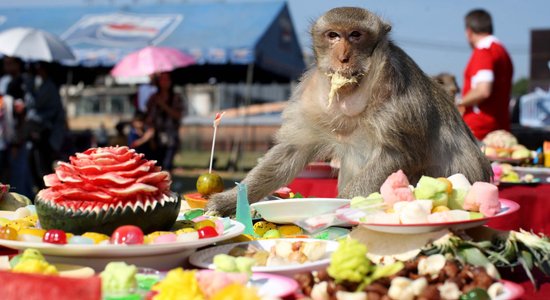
(15,88)
(102,136)
(487,78)
(46,123)
(139,137)
(145,91)
(165,109)
(120,139)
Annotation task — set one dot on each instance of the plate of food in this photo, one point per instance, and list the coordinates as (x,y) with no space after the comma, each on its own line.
(171,249)
(123,250)
(288,211)
(275,256)
(424,277)
(455,219)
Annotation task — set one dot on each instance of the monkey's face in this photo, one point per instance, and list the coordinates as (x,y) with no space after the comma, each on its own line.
(345,38)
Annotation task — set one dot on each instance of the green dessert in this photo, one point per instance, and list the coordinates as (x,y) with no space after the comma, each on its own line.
(118,277)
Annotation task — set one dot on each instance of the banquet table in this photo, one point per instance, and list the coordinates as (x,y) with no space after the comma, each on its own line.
(534,201)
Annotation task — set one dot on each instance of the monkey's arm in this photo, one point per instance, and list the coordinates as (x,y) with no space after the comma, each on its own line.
(277,168)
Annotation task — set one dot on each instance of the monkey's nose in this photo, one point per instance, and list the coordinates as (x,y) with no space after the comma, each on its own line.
(344,59)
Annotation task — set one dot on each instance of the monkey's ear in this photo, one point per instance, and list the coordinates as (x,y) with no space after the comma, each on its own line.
(386,27)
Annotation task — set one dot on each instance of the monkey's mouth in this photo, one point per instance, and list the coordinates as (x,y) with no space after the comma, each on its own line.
(339,81)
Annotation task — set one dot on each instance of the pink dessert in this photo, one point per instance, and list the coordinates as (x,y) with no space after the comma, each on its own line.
(497,171)
(483,197)
(396,188)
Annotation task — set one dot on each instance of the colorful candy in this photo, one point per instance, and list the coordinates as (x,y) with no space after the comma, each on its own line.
(187,237)
(185,230)
(165,238)
(288,230)
(194,213)
(272,234)
(31,234)
(4,221)
(207,232)
(8,233)
(81,240)
(96,237)
(261,227)
(55,236)
(148,239)
(127,234)
(180,224)
(19,224)
(204,223)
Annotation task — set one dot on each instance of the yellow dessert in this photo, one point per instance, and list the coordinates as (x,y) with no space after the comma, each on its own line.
(236,291)
(178,285)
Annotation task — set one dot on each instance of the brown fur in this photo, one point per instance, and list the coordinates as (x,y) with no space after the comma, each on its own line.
(396,117)
(448,82)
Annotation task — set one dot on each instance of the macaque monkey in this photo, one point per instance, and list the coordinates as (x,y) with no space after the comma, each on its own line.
(368,104)
(448,82)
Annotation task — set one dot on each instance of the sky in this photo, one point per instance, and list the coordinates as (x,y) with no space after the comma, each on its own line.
(430,31)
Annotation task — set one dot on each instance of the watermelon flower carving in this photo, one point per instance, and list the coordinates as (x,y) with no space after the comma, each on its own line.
(103,188)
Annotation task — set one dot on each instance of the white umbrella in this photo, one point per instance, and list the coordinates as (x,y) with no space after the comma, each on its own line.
(33,44)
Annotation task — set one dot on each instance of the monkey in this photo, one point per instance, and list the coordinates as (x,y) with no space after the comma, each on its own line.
(387,115)
(448,81)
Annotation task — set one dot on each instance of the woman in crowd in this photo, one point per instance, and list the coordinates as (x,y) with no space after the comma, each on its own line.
(164,112)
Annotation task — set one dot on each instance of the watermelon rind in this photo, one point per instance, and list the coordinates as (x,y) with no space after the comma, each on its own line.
(159,217)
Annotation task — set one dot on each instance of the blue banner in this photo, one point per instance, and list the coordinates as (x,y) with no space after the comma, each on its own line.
(122,29)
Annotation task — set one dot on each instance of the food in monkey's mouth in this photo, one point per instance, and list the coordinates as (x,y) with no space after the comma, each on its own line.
(337,81)
(104,188)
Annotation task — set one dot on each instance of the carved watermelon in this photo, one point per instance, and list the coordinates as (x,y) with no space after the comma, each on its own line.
(104,188)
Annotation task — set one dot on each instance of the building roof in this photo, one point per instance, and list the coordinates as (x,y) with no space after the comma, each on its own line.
(214,33)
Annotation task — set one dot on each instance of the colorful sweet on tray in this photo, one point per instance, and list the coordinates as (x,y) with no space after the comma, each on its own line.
(501,144)
(123,281)
(351,275)
(32,261)
(282,253)
(433,200)
(193,225)
(505,173)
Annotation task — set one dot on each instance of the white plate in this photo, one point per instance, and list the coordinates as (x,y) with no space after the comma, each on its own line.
(288,211)
(204,258)
(507,207)
(158,256)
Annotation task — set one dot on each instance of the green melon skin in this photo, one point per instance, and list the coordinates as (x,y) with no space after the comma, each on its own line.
(162,218)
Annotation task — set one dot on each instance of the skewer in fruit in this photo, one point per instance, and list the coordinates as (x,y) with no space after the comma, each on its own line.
(210,183)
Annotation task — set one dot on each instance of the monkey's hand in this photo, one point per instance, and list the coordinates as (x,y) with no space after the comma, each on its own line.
(223,204)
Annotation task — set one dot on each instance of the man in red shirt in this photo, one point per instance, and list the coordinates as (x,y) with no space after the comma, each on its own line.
(487,78)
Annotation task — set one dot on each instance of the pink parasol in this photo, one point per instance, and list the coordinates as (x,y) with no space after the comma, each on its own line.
(150,60)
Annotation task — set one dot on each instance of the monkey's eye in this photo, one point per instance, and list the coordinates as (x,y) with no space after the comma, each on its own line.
(333,35)
(354,35)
